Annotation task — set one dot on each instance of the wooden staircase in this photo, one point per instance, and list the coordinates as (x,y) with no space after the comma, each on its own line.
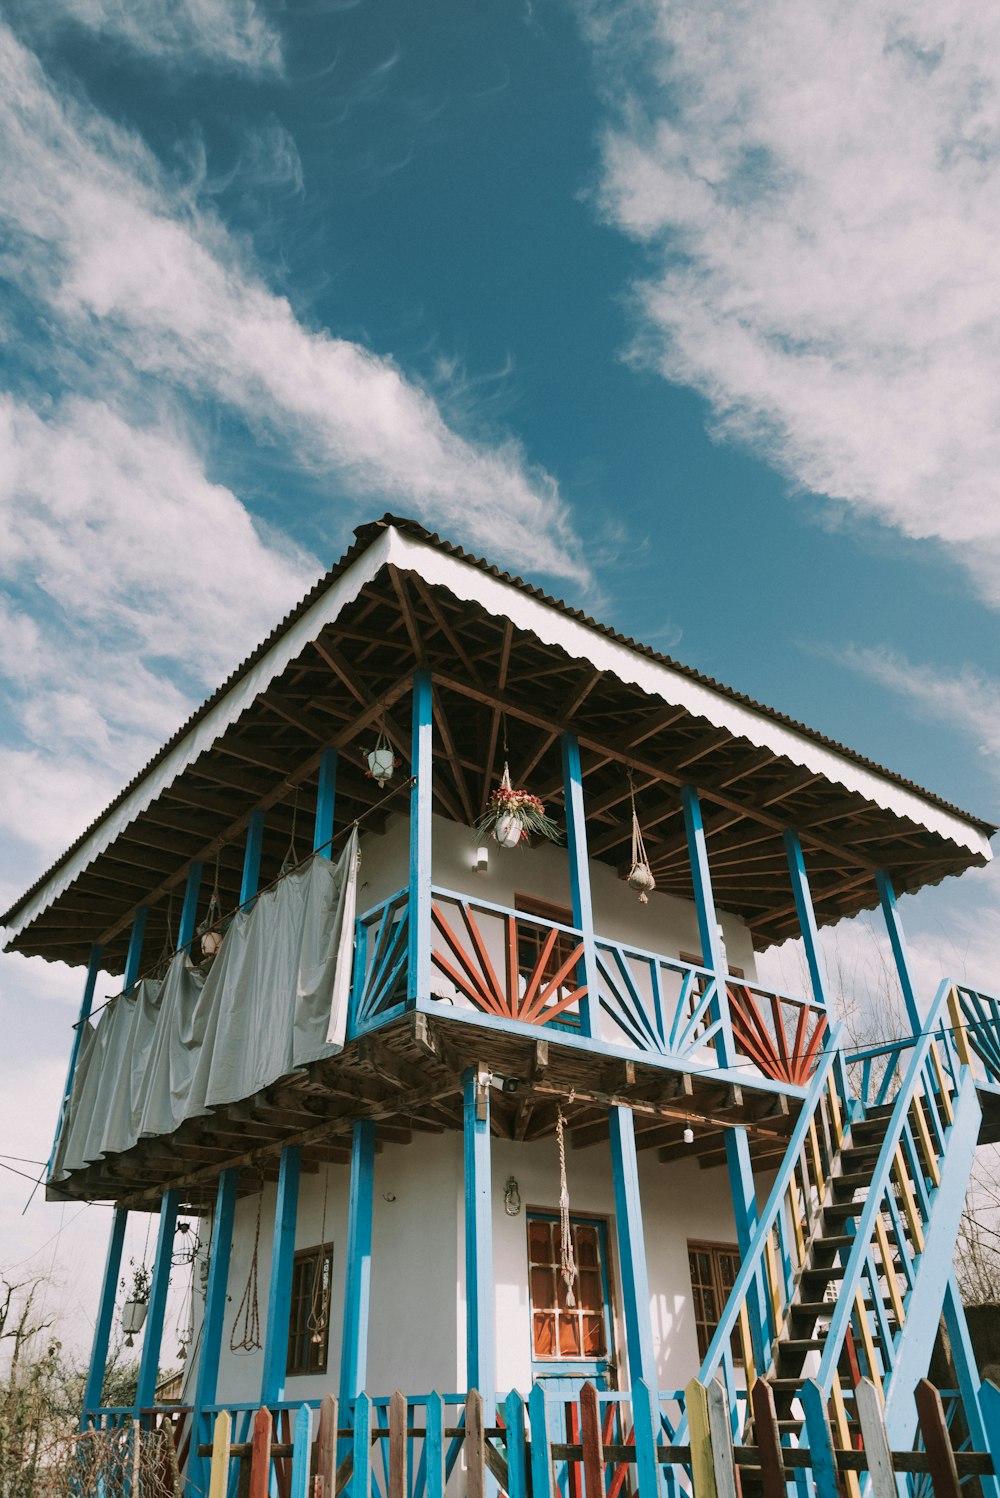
(849,1266)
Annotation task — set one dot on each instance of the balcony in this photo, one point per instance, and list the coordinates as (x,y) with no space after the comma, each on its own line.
(507,971)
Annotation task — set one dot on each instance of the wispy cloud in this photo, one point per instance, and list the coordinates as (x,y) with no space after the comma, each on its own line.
(966,699)
(144,277)
(818,192)
(190,33)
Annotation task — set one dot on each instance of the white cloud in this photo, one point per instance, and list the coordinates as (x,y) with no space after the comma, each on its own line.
(216,33)
(965,699)
(139,585)
(818,193)
(139,273)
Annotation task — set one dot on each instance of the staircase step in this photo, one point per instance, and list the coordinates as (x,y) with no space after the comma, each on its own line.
(811,1310)
(832,1244)
(823,1276)
(858,1180)
(800,1345)
(841,1211)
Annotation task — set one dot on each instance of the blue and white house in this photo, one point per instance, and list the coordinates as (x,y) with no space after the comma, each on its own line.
(453,1108)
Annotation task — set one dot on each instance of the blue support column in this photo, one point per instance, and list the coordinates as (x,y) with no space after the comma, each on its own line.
(631,1248)
(149,1362)
(357,1283)
(969,1383)
(479,1295)
(326,796)
(579,876)
(737,1144)
(105,1316)
(251,857)
(279,1300)
(210,1341)
(134,956)
(189,910)
(806,914)
(897,941)
(421,805)
(86,1004)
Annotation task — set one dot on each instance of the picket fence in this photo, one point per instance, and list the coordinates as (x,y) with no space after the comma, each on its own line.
(518,1456)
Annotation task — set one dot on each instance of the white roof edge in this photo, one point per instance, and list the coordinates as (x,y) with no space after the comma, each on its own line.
(553,627)
(581,641)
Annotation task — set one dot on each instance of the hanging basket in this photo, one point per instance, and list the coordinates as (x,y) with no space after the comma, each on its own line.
(512,816)
(382,762)
(641,878)
(134,1317)
(640,875)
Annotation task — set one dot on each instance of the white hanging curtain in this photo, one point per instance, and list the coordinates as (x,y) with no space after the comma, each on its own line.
(275,998)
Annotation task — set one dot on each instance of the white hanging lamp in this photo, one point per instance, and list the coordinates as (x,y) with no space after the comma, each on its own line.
(381,761)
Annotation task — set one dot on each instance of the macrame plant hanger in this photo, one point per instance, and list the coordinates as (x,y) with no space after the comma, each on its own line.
(567,1259)
(319,1302)
(245,1335)
(291,858)
(209,930)
(640,875)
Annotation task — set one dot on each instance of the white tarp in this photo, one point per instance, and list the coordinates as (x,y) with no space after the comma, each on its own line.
(275,998)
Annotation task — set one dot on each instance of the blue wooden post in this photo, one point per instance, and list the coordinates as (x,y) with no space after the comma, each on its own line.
(806,914)
(579,876)
(279,1300)
(189,910)
(251,857)
(134,956)
(631,1248)
(737,1144)
(86,1004)
(479,1302)
(149,1362)
(207,1381)
(969,1382)
(357,1282)
(897,941)
(326,795)
(421,807)
(105,1316)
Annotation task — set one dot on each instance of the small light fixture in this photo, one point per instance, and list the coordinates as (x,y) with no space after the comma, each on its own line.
(388,1196)
(511,1084)
(482,863)
(689,1135)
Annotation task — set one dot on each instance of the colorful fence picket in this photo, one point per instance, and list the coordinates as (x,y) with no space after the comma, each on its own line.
(383,1452)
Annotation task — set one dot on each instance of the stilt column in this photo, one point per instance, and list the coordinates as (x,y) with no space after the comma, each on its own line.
(105,1316)
(421,805)
(357,1285)
(632,1248)
(897,941)
(579,876)
(325,801)
(279,1301)
(207,1382)
(149,1362)
(479,1293)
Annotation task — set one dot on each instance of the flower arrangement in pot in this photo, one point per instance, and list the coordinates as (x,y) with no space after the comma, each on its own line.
(136,1302)
(512,815)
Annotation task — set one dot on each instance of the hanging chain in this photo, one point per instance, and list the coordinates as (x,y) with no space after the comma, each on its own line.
(319,1303)
(247,1321)
(567,1260)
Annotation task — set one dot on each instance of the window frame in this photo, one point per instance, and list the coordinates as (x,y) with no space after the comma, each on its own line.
(317,1356)
(720,1289)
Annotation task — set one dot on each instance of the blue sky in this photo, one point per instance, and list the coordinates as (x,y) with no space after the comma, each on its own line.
(690,314)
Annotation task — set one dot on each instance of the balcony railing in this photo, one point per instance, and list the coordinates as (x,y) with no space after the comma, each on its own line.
(522,970)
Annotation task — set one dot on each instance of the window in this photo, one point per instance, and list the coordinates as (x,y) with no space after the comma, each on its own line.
(557,1330)
(304,1354)
(530,941)
(714,1267)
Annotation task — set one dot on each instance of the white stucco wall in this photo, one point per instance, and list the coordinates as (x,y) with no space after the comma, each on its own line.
(417,1327)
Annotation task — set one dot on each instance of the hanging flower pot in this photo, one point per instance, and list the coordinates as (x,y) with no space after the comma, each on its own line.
(136,1302)
(382,761)
(512,815)
(640,875)
(641,878)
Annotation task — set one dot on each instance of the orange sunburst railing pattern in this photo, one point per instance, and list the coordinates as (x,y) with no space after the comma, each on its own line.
(759,1030)
(549,987)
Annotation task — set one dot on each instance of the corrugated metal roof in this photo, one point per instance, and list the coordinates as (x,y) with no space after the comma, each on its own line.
(364,535)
